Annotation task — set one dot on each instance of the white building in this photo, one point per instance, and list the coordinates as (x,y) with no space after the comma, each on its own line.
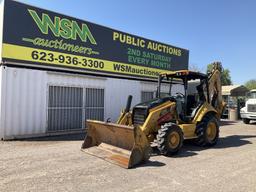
(38,101)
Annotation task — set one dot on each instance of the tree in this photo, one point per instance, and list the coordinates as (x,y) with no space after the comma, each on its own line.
(225,75)
(251,84)
(194,67)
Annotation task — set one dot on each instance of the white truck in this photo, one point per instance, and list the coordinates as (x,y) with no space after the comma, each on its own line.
(248,112)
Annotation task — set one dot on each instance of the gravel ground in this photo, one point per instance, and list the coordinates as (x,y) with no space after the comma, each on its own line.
(57,164)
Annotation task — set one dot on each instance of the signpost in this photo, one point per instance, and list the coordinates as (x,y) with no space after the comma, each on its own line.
(40,38)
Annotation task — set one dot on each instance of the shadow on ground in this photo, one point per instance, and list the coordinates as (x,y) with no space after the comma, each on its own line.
(66,137)
(227,122)
(150,163)
(253,123)
(190,149)
(225,142)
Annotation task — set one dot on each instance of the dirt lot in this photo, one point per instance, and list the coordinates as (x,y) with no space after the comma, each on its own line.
(57,164)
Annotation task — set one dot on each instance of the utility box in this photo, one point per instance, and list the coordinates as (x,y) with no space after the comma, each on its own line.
(232,114)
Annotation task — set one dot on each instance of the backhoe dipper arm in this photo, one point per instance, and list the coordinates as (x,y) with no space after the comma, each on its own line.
(214,86)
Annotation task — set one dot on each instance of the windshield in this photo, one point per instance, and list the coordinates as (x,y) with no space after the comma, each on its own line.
(252,95)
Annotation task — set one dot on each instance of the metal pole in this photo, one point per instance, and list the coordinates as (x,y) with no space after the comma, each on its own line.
(159,87)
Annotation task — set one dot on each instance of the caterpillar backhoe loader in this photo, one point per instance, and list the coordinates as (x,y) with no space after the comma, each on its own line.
(164,121)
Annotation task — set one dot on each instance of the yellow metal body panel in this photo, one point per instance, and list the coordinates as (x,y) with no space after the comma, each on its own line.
(174,72)
(125,119)
(203,110)
(151,124)
(188,130)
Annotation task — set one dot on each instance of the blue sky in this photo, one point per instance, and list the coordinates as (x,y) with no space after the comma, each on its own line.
(213,30)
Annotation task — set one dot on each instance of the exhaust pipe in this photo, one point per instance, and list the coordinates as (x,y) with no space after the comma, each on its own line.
(128,104)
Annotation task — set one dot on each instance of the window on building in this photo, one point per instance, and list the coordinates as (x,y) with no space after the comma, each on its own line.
(65,108)
(164,94)
(94,104)
(147,95)
(69,107)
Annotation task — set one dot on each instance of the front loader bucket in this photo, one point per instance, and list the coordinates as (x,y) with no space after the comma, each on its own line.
(123,145)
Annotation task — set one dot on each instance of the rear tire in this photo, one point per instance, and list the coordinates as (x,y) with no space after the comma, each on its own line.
(246,121)
(207,132)
(169,139)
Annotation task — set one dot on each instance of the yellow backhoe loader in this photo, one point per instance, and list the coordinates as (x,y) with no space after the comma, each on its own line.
(165,121)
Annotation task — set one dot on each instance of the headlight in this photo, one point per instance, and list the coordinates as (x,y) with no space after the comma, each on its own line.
(242,110)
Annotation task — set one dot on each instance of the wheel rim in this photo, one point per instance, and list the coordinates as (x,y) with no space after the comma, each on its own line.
(211,131)
(174,140)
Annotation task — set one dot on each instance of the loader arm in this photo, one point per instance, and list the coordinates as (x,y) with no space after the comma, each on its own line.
(125,117)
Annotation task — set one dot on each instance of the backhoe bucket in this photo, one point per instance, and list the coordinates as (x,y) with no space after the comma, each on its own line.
(123,145)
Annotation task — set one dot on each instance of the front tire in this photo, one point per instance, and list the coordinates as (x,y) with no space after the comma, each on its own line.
(246,121)
(207,131)
(169,139)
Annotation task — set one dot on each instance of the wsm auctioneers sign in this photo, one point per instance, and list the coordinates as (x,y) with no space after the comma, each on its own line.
(44,39)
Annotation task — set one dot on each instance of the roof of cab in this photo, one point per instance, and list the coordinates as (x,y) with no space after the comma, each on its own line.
(182,74)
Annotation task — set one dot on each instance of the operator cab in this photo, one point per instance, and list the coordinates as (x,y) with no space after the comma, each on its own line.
(187,104)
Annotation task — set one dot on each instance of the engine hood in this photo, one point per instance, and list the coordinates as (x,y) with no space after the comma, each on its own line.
(154,103)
